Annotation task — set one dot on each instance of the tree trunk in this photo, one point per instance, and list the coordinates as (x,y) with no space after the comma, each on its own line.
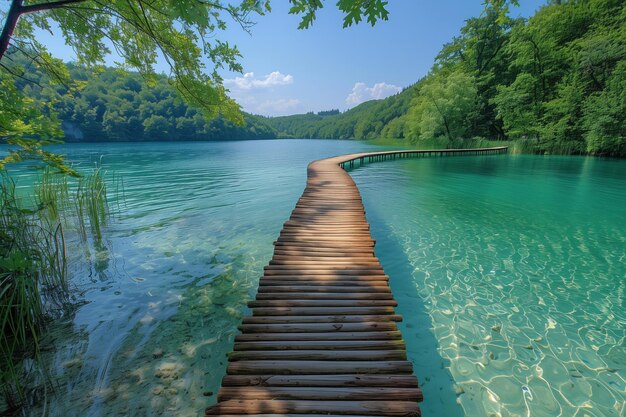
(443,117)
(17,9)
(13,16)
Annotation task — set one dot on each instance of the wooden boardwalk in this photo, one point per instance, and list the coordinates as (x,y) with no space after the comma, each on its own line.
(322,338)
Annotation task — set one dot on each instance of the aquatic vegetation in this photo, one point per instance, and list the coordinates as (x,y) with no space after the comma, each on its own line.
(197,228)
(34,280)
(91,203)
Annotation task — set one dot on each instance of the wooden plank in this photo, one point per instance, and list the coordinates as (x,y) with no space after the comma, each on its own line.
(336,218)
(318,355)
(305,221)
(341,264)
(315,234)
(320,319)
(326,277)
(326,262)
(312,251)
(325,243)
(316,367)
(321,303)
(253,337)
(328,268)
(297,225)
(320,311)
(325,256)
(315,287)
(337,285)
(365,408)
(332,210)
(324,296)
(349,236)
(320,393)
(328,245)
(311,283)
(322,344)
(340,270)
(318,327)
(293,415)
(337,380)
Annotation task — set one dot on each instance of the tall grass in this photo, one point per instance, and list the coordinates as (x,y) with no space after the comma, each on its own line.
(34,282)
(91,204)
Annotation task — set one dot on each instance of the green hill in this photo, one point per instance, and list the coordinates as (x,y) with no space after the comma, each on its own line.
(555,82)
(369,120)
(115,106)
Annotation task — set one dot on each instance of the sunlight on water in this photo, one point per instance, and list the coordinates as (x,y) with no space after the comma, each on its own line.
(521,265)
(509,271)
(162,298)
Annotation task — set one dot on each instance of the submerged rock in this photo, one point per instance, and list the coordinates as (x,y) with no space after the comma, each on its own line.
(168,370)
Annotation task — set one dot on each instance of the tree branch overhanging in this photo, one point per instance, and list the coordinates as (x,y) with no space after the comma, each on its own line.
(17,9)
(13,16)
(48,6)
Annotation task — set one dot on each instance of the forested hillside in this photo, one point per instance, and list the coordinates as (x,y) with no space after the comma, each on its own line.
(368,120)
(556,81)
(110,105)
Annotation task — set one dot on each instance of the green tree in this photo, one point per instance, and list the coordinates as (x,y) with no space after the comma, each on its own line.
(518,107)
(184,33)
(480,51)
(23,117)
(442,106)
(563,58)
(604,119)
(156,126)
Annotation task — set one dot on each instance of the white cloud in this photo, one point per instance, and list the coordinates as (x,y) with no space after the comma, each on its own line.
(361,92)
(249,81)
(277,106)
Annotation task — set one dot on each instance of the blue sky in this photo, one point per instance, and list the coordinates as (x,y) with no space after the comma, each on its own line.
(325,67)
(328,67)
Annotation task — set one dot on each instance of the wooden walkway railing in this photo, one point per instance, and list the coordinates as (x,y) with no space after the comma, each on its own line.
(322,338)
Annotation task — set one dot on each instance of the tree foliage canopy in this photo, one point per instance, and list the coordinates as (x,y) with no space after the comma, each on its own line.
(555,80)
(114,106)
(354,11)
(441,106)
(188,35)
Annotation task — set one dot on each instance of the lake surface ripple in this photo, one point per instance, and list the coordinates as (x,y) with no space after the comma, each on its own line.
(520,262)
(510,272)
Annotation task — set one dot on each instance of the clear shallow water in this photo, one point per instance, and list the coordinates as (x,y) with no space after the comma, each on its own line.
(509,270)
(166,290)
(520,262)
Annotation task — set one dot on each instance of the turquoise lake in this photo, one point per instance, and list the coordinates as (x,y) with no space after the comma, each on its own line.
(509,270)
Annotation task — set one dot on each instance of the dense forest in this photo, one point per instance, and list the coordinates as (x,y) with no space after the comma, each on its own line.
(369,120)
(556,81)
(110,105)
